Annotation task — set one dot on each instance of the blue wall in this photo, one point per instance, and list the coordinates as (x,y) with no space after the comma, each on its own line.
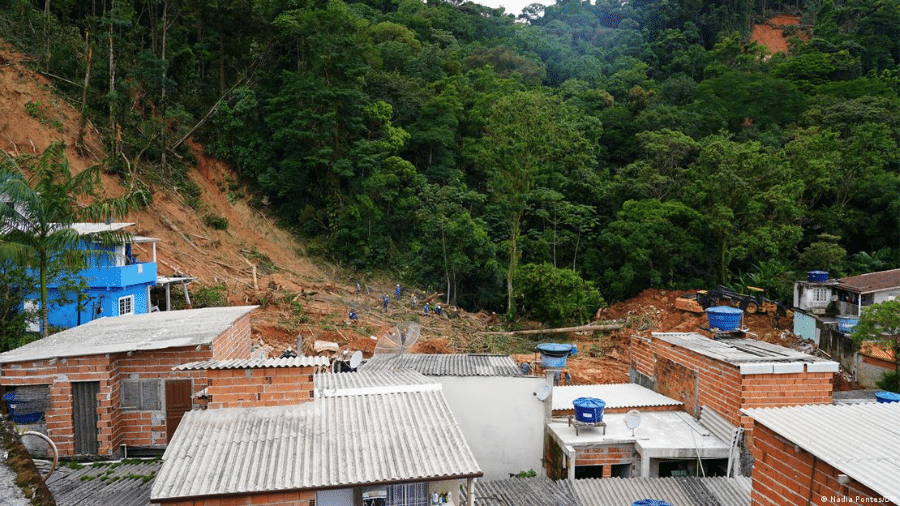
(107,300)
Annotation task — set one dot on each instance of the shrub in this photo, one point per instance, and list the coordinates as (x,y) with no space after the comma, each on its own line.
(215,221)
(555,295)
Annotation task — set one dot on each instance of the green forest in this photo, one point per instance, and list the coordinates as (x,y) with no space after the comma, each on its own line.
(535,163)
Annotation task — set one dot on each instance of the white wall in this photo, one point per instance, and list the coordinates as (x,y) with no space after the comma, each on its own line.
(501,419)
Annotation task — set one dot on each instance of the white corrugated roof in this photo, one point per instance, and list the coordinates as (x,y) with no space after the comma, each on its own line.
(93,228)
(718,491)
(149,331)
(446,364)
(367,382)
(619,395)
(255,363)
(330,442)
(860,440)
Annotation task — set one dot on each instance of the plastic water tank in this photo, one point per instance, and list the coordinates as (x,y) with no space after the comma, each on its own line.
(554,355)
(651,502)
(846,324)
(725,318)
(886,397)
(816,276)
(588,409)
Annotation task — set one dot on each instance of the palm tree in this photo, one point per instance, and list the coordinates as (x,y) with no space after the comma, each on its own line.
(37,211)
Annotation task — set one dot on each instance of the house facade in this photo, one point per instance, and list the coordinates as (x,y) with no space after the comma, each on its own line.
(118,279)
(849,294)
(365,441)
(109,384)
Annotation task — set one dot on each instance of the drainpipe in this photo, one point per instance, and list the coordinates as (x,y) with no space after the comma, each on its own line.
(470,492)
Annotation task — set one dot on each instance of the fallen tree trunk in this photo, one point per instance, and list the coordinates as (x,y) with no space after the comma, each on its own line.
(607,326)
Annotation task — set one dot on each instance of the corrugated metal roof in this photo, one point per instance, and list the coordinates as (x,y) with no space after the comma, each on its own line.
(860,440)
(871,282)
(620,395)
(691,491)
(330,442)
(149,331)
(735,351)
(255,363)
(523,492)
(446,364)
(124,483)
(93,228)
(367,382)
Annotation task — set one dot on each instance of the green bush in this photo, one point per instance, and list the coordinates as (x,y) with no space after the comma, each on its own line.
(209,296)
(888,382)
(215,221)
(554,295)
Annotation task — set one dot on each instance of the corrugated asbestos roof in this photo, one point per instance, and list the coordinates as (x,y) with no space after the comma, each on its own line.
(734,351)
(622,395)
(871,282)
(149,331)
(255,363)
(446,364)
(330,442)
(860,440)
(691,491)
(367,382)
(125,483)
(93,228)
(523,492)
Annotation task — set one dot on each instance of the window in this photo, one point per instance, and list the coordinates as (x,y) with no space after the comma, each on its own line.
(141,395)
(126,305)
(820,295)
(407,494)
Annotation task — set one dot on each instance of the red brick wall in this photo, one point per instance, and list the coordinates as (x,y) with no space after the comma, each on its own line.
(273,386)
(233,342)
(784,474)
(606,456)
(720,385)
(307,498)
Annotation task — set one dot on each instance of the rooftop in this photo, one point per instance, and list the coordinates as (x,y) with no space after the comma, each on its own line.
(719,491)
(871,282)
(661,434)
(752,356)
(859,440)
(150,331)
(369,382)
(523,492)
(446,364)
(255,363)
(330,442)
(122,483)
(622,395)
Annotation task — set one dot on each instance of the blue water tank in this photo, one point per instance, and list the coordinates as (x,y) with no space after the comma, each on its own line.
(725,318)
(554,355)
(588,409)
(651,502)
(846,324)
(886,397)
(816,276)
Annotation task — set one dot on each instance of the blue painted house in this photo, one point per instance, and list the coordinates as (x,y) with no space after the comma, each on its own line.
(118,282)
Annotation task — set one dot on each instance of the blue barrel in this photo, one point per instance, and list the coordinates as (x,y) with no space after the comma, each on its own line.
(651,502)
(588,409)
(724,318)
(21,411)
(816,276)
(846,324)
(554,355)
(886,397)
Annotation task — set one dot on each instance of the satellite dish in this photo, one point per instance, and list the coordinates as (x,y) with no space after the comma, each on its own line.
(398,340)
(542,392)
(355,359)
(632,420)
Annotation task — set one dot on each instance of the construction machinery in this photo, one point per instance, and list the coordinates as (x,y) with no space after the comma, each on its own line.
(724,296)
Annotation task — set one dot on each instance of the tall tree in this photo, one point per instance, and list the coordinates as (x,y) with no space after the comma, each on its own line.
(526,133)
(881,323)
(36,214)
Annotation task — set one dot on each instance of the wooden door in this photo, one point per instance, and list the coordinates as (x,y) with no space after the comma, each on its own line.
(178,402)
(84,413)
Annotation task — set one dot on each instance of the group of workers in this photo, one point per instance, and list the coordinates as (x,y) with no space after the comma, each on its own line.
(398,291)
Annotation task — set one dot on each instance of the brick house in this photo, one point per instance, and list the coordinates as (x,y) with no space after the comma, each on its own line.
(109,384)
(826,454)
(728,375)
(258,382)
(367,439)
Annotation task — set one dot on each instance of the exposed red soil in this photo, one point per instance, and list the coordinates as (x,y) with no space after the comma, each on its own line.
(771,34)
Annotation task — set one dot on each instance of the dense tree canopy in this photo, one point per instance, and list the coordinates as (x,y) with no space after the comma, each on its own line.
(636,144)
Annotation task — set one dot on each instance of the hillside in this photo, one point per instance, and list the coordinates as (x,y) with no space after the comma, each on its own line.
(258,263)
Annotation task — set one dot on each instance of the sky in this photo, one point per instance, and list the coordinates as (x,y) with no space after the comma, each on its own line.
(513,6)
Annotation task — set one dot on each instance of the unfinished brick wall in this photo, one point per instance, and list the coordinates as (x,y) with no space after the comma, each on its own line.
(785,474)
(235,342)
(306,498)
(720,385)
(263,386)
(606,456)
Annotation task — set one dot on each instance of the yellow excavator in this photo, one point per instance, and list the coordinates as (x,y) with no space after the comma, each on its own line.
(724,296)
